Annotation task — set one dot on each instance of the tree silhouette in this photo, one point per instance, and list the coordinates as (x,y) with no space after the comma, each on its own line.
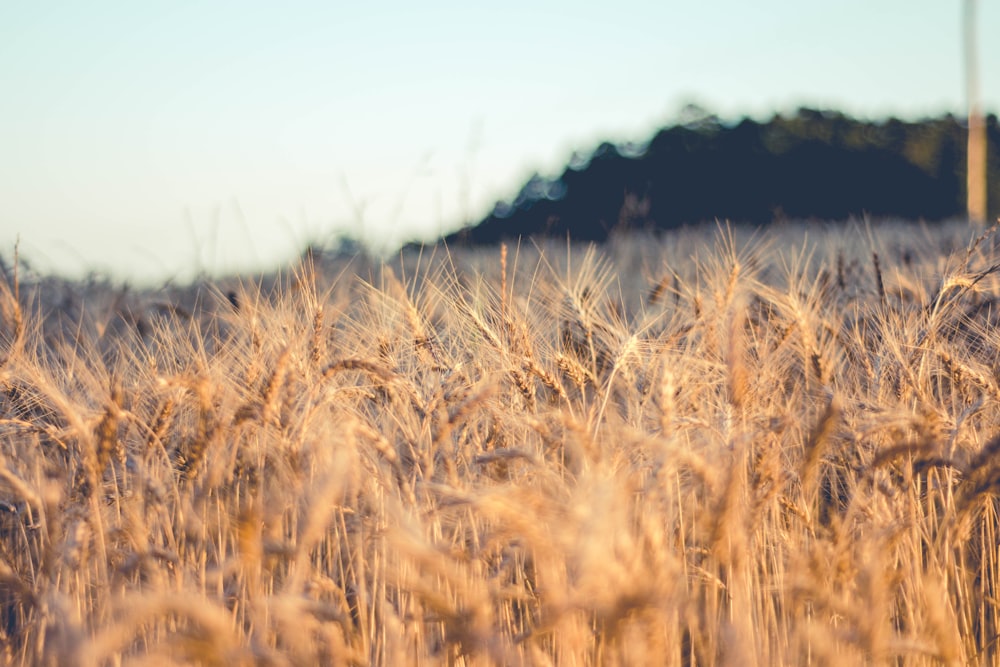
(813,164)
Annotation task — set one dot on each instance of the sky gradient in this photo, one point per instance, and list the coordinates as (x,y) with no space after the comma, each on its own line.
(156,140)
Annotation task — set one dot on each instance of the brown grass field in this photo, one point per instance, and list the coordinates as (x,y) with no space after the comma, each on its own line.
(714,447)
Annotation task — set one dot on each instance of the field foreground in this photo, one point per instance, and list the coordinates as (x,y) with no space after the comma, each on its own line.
(711,448)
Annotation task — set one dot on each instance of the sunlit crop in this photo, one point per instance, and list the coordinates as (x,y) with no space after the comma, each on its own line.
(714,447)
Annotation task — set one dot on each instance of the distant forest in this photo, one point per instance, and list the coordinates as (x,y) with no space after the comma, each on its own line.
(812,164)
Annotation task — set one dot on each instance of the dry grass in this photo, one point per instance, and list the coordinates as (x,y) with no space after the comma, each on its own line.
(714,448)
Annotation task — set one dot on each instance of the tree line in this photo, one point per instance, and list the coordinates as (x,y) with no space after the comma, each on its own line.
(812,164)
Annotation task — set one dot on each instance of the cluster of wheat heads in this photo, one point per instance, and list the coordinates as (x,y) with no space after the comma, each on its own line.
(708,448)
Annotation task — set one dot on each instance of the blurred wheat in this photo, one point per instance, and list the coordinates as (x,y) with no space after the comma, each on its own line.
(709,448)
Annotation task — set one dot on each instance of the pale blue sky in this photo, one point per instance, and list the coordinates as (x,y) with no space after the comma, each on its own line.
(156,139)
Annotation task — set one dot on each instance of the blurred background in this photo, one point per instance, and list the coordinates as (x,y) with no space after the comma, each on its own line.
(157,141)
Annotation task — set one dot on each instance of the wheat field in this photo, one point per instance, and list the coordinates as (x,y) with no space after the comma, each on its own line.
(711,447)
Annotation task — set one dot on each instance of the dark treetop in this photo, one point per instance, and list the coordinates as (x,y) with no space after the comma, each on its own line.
(810,165)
